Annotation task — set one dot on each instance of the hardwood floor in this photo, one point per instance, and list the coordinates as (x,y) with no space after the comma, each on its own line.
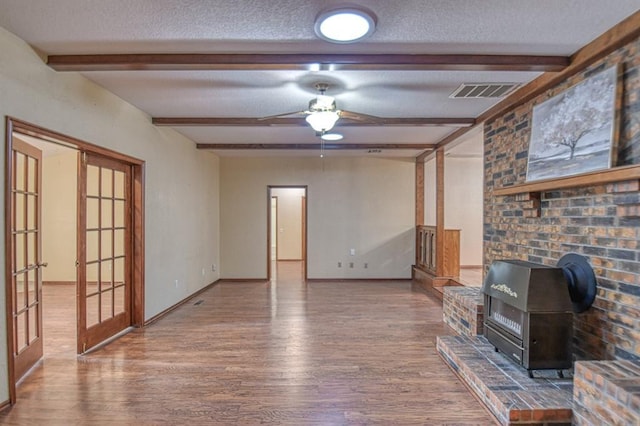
(285,352)
(59,321)
(471,276)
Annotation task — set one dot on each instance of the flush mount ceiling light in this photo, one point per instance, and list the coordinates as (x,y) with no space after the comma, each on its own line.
(345,25)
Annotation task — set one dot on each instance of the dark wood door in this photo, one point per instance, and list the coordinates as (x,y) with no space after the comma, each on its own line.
(104,249)
(25,290)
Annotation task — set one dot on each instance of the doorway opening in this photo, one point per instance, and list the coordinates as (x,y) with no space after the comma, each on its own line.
(287,230)
(73,233)
(58,226)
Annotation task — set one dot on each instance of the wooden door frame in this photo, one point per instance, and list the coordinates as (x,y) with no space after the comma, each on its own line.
(137,207)
(304,220)
(303,249)
(273,197)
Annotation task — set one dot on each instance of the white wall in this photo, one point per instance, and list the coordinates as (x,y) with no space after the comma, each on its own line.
(362,203)
(463,179)
(463,188)
(430,192)
(182,184)
(289,224)
(59,205)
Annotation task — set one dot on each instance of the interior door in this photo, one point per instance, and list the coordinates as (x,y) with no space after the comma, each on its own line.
(104,249)
(25,291)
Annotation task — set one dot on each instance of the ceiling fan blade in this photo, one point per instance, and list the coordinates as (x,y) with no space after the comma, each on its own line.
(358,116)
(286,114)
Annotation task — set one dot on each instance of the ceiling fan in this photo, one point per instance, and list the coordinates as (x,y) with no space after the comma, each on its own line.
(323,113)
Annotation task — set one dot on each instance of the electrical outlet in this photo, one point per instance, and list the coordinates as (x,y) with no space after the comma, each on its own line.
(176,283)
(366,265)
(339,264)
(352,252)
(203,272)
(350,264)
(213,267)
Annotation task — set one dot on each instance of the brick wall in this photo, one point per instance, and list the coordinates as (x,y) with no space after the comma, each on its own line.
(463,309)
(601,222)
(606,393)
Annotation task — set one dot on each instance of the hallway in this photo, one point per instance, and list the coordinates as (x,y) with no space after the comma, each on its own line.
(248,353)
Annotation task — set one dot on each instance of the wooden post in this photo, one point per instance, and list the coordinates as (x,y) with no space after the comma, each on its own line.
(419,192)
(419,201)
(440,212)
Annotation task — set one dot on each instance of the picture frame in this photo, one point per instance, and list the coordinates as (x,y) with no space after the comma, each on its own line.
(576,131)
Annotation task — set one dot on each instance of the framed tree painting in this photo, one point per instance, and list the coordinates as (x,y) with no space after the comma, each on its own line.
(576,131)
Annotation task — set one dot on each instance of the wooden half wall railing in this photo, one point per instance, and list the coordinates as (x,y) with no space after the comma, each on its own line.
(426,248)
(427,253)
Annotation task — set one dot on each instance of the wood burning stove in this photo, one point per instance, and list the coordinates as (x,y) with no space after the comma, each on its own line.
(529,310)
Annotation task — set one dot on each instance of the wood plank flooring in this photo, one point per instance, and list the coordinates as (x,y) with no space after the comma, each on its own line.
(285,353)
(471,277)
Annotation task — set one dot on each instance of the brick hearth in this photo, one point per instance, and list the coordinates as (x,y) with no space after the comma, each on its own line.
(505,388)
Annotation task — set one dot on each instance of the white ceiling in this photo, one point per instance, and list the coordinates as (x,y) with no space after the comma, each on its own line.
(496,27)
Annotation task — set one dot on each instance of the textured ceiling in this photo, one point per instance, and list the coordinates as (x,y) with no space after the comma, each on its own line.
(496,27)
(415,26)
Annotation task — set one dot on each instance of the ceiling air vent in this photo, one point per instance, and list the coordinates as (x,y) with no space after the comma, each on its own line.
(483,90)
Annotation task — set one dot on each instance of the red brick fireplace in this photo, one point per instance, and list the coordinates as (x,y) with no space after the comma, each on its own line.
(600,221)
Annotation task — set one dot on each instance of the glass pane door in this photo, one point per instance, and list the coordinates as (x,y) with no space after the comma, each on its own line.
(26,250)
(104,250)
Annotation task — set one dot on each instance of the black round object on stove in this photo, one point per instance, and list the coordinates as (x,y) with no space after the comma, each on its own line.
(580,279)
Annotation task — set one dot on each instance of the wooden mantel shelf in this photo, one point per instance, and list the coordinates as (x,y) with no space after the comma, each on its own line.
(616,174)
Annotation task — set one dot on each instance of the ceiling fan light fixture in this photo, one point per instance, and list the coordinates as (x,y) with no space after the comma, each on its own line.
(322,103)
(345,25)
(322,121)
(331,137)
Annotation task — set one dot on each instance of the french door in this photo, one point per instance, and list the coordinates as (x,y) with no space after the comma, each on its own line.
(25,290)
(104,248)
